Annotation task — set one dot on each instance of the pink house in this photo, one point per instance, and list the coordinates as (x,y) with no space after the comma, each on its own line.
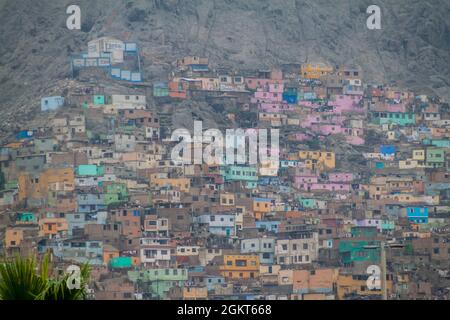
(317,118)
(300,137)
(329,187)
(253,83)
(309,104)
(395,107)
(340,177)
(327,129)
(332,187)
(274,107)
(306,179)
(342,103)
(368,223)
(355,140)
(352,136)
(265,96)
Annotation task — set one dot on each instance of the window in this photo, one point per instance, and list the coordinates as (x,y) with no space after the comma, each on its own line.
(241,263)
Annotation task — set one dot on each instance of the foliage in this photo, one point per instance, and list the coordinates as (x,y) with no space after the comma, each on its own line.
(2,180)
(22,279)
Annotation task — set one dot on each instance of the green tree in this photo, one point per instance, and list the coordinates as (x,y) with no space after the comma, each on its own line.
(22,279)
(2,180)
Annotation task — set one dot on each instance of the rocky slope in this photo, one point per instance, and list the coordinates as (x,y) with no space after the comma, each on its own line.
(412,49)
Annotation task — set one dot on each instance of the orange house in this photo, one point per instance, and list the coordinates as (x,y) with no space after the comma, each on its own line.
(195,293)
(109,252)
(240,266)
(13,237)
(178,89)
(261,207)
(183,184)
(315,70)
(37,187)
(50,227)
(316,281)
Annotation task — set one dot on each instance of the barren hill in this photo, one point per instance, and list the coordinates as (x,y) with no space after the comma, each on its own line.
(411,50)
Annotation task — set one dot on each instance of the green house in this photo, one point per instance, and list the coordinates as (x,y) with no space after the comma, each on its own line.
(120,263)
(435,157)
(364,232)
(90,170)
(26,217)
(160,89)
(308,203)
(387,225)
(98,100)
(353,250)
(247,174)
(111,198)
(400,118)
(440,143)
(119,189)
(159,281)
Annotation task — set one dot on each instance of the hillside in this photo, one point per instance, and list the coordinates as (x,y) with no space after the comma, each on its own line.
(411,50)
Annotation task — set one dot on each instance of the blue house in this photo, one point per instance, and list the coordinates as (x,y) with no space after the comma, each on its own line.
(90,202)
(24,134)
(271,226)
(387,151)
(417,214)
(290,95)
(51,103)
(212,281)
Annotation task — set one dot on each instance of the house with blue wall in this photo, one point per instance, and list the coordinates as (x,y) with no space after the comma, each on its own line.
(271,226)
(417,214)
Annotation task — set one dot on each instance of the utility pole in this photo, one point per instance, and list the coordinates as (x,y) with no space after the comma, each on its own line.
(383,271)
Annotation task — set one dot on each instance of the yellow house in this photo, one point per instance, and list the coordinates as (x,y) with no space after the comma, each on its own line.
(240,266)
(322,160)
(349,284)
(209,84)
(195,293)
(419,155)
(183,184)
(408,164)
(315,70)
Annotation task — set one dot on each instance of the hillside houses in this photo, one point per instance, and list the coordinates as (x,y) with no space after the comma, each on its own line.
(360,167)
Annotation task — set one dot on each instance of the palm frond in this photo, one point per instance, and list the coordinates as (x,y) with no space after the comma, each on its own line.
(21,279)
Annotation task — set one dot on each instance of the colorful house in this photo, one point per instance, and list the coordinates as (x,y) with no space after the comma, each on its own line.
(417,215)
(240,267)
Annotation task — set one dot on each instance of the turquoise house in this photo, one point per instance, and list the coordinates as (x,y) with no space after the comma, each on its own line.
(26,217)
(159,281)
(121,263)
(90,170)
(248,174)
(400,118)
